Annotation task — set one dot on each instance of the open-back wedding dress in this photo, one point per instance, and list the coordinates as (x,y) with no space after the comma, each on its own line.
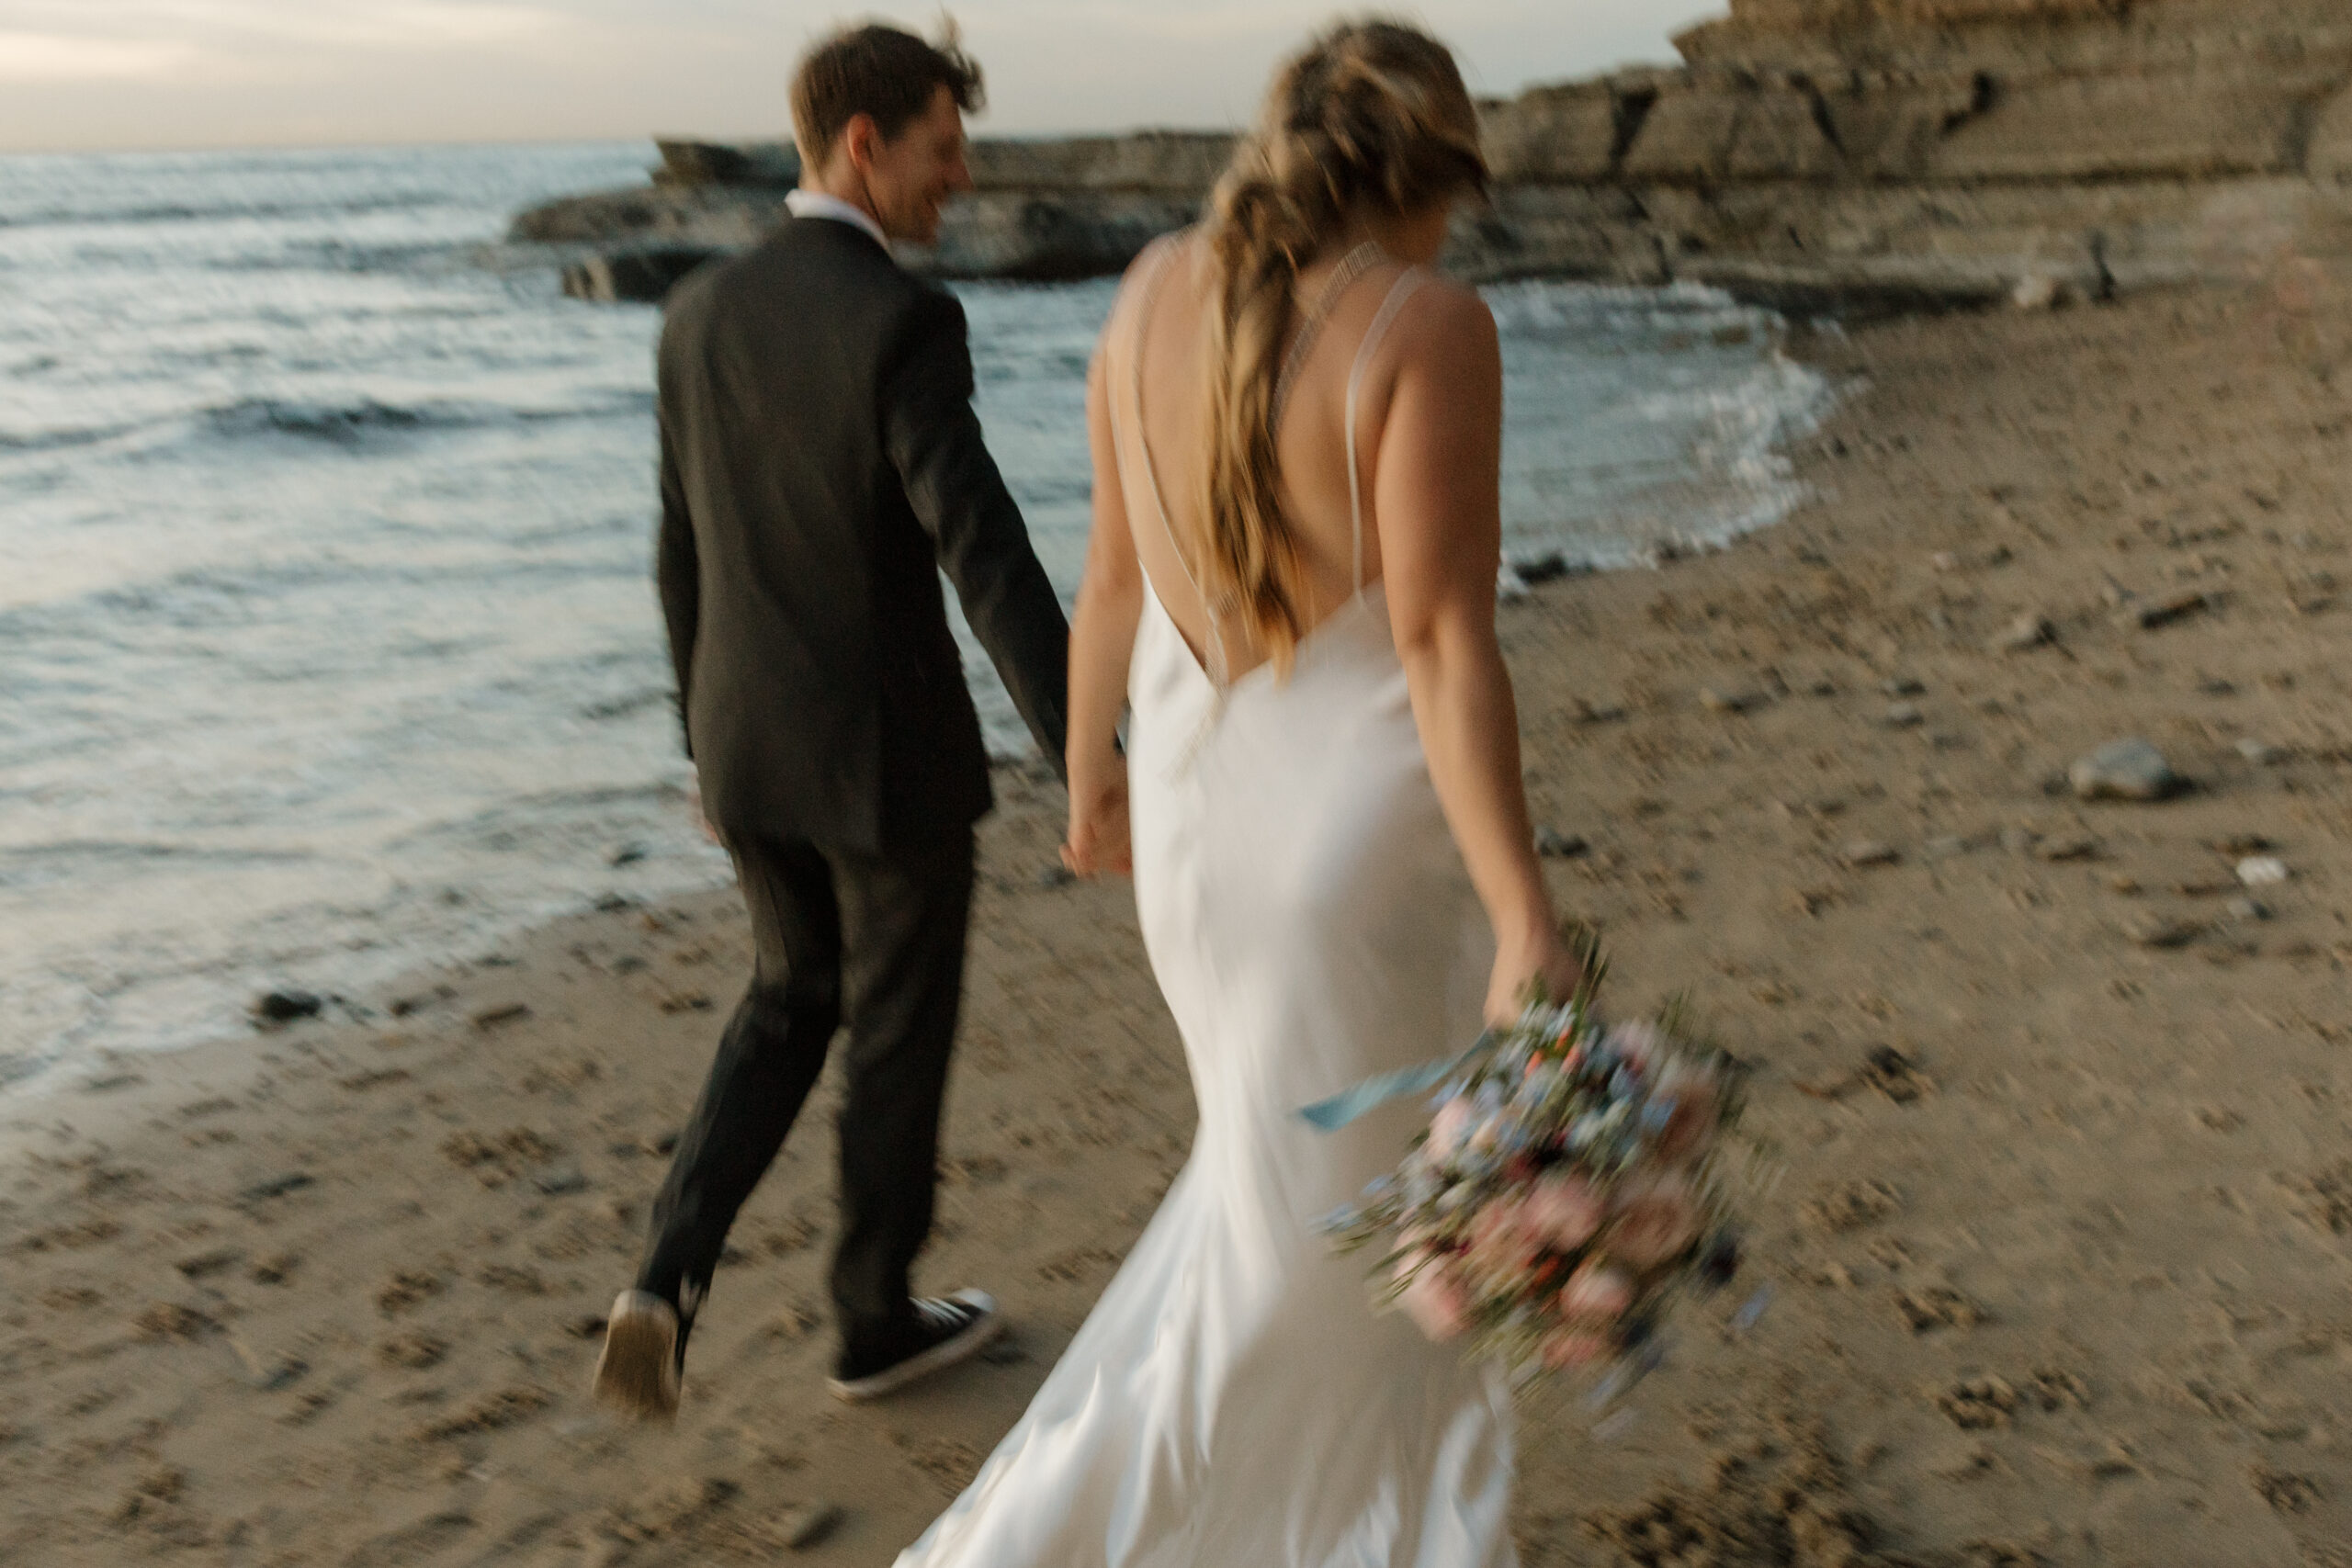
(1237,1400)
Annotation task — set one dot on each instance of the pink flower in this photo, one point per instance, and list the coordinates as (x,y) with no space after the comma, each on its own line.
(1451,1128)
(1504,1245)
(1596,1295)
(1433,1297)
(1569,1347)
(1564,1211)
(1655,1219)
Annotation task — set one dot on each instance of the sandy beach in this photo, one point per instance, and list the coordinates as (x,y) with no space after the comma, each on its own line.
(2056,1265)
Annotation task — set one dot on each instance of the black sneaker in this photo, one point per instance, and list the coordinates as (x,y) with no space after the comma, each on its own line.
(945,1332)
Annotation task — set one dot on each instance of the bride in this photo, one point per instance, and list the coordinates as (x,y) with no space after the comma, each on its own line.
(1290,589)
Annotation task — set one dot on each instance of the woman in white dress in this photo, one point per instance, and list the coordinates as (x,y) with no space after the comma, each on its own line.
(1290,592)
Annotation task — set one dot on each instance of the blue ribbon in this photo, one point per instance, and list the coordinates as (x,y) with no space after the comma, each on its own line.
(1330,1115)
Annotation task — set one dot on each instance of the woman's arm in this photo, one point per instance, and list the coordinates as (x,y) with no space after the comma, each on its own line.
(1437,504)
(1102,641)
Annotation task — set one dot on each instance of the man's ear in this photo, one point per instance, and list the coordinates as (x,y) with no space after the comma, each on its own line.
(860,137)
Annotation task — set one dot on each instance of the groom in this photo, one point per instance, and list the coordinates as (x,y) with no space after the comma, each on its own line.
(821,464)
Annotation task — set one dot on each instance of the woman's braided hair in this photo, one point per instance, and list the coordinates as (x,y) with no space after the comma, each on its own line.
(1372,114)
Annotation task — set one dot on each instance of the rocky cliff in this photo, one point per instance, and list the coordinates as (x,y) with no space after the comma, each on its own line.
(1807,152)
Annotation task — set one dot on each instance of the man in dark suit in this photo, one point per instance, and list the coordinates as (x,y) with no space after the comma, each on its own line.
(821,464)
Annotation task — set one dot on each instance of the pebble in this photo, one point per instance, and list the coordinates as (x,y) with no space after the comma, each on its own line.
(1055,876)
(1902,715)
(1553,844)
(2172,608)
(1715,700)
(2125,770)
(2262,871)
(509,1012)
(1945,561)
(1945,846)
(2068,847)
(2026,633)
(2261,754)
(2244,909)
(276,1187)
(556,1180)
(1903,686)
(627,855)
(2162,931)
(1867,852)
(1547,568)
(286,1005)
(802,1527)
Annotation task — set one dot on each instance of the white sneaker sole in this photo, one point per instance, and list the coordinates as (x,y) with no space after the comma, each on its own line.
(638,1373)
(947,1353)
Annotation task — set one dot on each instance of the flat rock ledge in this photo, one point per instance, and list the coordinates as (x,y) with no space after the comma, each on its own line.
(1839,155)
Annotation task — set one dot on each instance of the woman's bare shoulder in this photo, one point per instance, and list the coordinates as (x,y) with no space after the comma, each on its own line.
(1449,322)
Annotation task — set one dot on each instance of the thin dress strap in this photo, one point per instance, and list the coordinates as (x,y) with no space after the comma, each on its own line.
(1352,266)
(1405,285)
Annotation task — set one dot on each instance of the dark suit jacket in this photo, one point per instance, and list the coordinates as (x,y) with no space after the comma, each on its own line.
(821,463)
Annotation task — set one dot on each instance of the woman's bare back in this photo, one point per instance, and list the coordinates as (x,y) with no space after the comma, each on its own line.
(1158,383)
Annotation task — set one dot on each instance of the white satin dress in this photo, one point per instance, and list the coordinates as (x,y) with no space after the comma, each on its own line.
(1236,1399)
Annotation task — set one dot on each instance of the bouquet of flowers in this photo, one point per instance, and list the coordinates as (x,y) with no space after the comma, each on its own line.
(1568,1190)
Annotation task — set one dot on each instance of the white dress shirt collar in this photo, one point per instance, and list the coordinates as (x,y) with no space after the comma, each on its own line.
(817,204)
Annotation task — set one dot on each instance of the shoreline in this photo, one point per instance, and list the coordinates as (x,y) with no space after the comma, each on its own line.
(1761,414)
(2056,1262)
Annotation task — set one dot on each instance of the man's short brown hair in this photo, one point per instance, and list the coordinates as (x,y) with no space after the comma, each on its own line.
(880,71)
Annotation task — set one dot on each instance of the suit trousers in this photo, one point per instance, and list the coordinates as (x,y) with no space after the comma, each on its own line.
(876,940)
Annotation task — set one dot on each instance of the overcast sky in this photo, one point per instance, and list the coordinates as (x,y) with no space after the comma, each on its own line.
(109,74)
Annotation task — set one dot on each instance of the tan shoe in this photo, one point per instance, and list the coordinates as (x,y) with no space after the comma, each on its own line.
(638,1373)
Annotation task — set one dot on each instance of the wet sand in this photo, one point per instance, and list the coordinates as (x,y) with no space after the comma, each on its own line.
(2057,1260)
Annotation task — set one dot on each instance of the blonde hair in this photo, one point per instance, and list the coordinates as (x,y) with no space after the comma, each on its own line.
(1371,113)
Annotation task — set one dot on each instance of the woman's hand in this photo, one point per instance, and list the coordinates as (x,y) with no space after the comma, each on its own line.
(1539,957)
(1098,843)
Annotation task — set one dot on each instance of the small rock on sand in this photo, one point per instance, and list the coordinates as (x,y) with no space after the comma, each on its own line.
(2261,754)
(2172,608)
(1867,852)
(802,1527)
(1721,699)
(2162,931)
(1553,844)
(2025,634)
(2068,847)
(2262,871)
(285,1005)
(1902,715)
(2126,770)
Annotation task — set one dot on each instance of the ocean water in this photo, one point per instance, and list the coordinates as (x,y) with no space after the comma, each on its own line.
(327,639)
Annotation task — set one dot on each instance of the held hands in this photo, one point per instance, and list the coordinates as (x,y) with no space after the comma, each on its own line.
(1098,843)
(1539,957)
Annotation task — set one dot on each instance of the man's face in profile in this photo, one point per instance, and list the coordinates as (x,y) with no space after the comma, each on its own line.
(912,175)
